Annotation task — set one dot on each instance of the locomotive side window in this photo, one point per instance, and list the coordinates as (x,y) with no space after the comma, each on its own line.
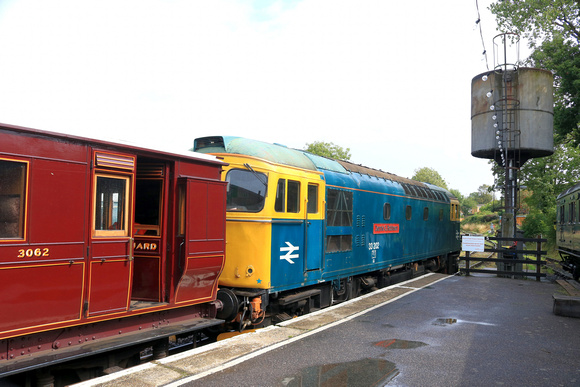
(425,213)
(312,199)
(441,214)
(111,204)
(280,196)
(408,212)
(572,214)
(290,202)
(246,190)
(339,208)
(387,211)
(12,198)
(293,204)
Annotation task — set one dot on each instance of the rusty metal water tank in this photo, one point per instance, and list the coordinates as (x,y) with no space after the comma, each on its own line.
(522,110)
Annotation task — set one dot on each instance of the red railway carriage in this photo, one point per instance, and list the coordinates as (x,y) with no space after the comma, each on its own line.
(103,245)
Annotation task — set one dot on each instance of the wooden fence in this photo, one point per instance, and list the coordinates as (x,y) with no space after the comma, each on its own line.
(510,254)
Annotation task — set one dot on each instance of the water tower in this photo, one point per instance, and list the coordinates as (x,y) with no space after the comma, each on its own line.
(512,110)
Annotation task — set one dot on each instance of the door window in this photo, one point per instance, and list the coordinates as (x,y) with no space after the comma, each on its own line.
(12,198)
(111,205)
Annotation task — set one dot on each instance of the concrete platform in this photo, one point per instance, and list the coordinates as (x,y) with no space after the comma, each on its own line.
(433,330)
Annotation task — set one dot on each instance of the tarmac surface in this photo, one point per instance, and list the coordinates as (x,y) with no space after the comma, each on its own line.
(435,330)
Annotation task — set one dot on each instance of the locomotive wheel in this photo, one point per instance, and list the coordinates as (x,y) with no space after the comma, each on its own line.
(230,302)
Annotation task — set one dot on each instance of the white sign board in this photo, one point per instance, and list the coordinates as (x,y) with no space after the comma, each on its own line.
(472,243)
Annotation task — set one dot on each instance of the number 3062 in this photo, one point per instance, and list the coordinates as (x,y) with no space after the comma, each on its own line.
(29,253)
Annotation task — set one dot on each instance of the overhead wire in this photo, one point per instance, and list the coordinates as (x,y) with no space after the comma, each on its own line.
(478,23)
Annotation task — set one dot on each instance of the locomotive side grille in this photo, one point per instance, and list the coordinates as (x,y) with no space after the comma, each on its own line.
(110,160)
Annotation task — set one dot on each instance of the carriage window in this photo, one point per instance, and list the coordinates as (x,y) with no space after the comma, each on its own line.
(12,199)
(312,199)
(425,213)
(181,210)
(246,190)
(111,204)
(387,211)
(339,208)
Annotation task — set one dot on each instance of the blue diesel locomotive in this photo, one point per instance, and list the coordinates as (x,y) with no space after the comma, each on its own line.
(304,231)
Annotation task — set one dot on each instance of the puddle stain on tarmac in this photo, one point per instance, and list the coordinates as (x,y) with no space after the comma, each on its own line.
(364,372)
(400,344)
(445,321)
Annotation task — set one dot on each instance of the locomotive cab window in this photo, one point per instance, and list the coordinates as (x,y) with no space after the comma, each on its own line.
(111,205)
(12,198)
(246,190)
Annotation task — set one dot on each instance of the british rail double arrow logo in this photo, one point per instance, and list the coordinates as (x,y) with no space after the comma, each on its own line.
(290,248)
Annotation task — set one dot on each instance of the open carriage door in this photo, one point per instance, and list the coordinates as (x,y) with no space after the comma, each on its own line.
(111,247)
(201,239)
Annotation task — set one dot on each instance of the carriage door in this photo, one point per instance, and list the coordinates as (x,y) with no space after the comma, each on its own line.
(148,231)
(200,238)
(111,247)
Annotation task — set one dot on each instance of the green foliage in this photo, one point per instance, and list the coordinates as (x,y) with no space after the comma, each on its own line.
(486,218)
(457,194)
(483,194)
(553,30)
(328,149)
(563,58)
(538,19)
(540,223)
(467,205)
(429,175)
(546,177)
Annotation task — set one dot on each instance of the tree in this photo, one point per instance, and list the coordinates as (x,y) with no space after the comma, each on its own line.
(328,149)
(429,175)
(468,205)
(483,194)
(553,31)
(539,19)
(546,178)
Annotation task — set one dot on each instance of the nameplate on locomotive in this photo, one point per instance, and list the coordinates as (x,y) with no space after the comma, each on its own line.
(383,228)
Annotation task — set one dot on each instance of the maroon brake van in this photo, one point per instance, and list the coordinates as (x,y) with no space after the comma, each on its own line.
(103,245)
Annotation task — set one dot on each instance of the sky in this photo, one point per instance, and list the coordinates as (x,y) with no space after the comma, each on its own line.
(389,80)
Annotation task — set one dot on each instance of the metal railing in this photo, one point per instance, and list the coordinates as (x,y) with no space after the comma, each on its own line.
(510,257)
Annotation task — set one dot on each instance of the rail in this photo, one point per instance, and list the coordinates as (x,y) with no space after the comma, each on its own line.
(510,257)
